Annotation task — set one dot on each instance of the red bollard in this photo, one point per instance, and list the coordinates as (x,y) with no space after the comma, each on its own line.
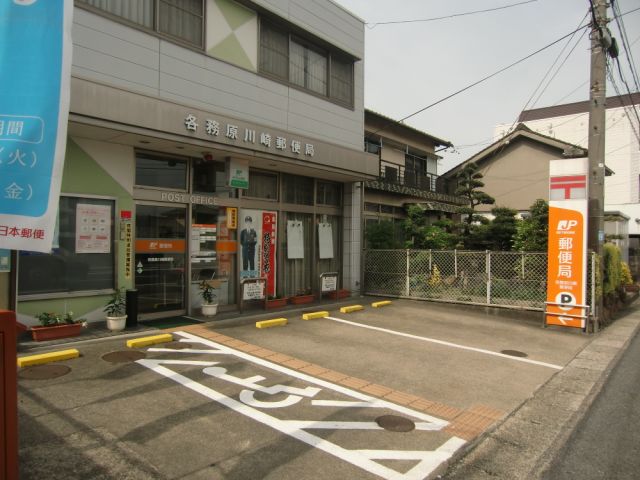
(8,397)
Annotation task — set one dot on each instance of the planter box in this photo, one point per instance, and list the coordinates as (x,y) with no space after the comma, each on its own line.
(302,299)
(631,288)
(276,303)
(338,294)
(40,334)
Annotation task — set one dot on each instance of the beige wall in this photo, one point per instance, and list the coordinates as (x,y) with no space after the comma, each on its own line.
(518,175)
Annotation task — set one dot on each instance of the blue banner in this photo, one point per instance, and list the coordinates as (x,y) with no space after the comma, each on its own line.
(35,54)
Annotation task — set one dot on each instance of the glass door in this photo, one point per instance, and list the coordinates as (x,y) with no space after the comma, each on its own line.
(160,259)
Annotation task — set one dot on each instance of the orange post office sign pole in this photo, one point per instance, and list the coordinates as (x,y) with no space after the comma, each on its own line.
(567,245)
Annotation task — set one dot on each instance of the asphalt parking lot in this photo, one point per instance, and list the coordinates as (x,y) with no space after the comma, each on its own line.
(321,398)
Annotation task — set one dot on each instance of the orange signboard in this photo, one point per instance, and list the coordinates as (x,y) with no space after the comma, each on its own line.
(160,245)
(567,245)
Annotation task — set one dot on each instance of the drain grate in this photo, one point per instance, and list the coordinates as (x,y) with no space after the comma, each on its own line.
(395,423)
(514,353)
(123,356)
(44,372)
(177,345)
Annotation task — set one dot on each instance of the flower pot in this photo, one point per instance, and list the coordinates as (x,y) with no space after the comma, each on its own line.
(276,303)
(338,294)
(53,332)
(115,324)
(302,299)
(209,310)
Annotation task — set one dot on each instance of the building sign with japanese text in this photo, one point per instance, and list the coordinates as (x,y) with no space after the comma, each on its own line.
(35,55)
(248,137)
(567,248)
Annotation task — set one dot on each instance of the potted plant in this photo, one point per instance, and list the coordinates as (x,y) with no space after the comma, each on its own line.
(115,310)
(276,302)
(56,325)
(208,294)
(302,297)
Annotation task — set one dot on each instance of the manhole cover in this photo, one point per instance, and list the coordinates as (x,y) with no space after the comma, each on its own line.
(177,345)
(123,356)
(44,372)
(514,353)
(394,423)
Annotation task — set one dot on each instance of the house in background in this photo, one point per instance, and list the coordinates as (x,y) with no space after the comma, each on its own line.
(407,164)
(570,122)
(516,168)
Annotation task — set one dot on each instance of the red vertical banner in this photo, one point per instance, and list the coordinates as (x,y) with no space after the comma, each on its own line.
(268,250)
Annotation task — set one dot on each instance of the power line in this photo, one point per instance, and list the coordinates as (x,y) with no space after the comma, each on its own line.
(478,82)
(374,25)
(625,43)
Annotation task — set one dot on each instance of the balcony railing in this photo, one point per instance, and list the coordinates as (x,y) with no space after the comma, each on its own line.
(399,175)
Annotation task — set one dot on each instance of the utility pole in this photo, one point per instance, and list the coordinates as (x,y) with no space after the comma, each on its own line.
(597,115)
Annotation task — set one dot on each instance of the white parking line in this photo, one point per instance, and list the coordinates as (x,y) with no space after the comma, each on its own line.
(449,344)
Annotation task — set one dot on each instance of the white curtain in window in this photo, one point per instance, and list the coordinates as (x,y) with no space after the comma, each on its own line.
(137,11)
(296,64)
(273,51)
(316,72)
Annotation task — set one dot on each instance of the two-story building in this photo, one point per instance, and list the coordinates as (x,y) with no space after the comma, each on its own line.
(207,139)
(407,163)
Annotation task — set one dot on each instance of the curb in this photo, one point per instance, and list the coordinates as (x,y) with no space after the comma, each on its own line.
(527,442)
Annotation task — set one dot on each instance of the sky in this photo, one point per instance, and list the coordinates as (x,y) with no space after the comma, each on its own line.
(409,66)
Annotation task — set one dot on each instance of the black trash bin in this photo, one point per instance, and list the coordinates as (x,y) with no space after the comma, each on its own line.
(132,308)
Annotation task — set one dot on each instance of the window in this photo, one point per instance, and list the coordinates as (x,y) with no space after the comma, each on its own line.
(262,185)
(181,19)
(301,63)
(328,194)
(342,79)
(83,254)
(307,68)
(209,177)
(297,189)
(160,171)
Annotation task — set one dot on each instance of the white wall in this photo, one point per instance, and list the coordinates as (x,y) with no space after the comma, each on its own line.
(115,54)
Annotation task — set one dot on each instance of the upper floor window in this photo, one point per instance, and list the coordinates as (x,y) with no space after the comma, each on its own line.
(304,64)
(181,19)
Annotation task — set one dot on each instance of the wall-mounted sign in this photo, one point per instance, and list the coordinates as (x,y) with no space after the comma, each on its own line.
(325,240)
(244,135)
(237,171)
(93,228)
(128,247)
(295,239)
(567,247)
(232,218)
(35,48)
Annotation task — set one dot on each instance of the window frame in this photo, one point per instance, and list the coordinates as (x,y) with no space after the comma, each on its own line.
(114,253)
(155,30)
(293,35)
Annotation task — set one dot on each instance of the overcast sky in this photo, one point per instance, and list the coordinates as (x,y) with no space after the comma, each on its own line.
(411,65)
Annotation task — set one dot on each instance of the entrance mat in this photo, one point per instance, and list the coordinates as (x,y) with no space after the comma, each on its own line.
(171,322)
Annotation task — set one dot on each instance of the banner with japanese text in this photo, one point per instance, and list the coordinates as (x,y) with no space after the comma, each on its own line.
(258,246)
(567,247)
(35,66)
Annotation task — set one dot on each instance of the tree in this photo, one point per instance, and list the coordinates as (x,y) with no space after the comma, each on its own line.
(533,231)
(422,235)
(502,228)
(469,185)
(380,235)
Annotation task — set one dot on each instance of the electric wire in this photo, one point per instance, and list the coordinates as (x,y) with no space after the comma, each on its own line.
(625,43)
(478,82)
(445,17)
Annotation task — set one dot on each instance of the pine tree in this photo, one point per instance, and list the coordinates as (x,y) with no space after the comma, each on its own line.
(469,185)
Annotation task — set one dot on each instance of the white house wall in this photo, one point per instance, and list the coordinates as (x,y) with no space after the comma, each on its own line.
(115,54)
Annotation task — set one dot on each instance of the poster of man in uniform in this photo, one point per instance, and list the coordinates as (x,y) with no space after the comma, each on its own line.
(258,246)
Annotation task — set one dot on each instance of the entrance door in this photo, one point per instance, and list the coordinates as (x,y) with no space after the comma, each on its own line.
(160,260)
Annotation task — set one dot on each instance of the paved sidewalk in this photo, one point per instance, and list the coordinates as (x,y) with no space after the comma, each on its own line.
(525,444)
